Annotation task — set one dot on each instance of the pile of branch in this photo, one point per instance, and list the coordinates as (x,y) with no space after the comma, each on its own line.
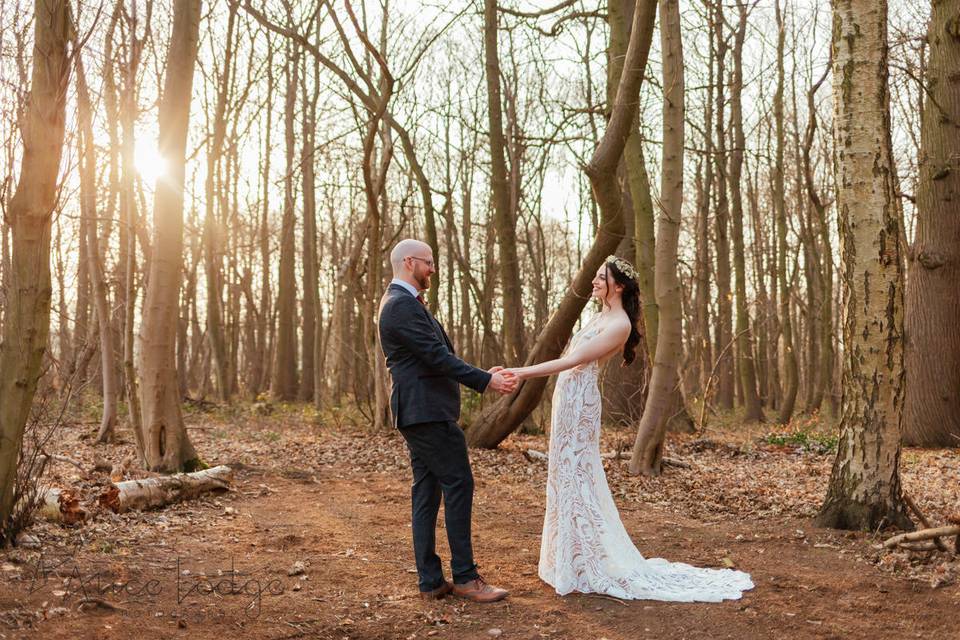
(928,538)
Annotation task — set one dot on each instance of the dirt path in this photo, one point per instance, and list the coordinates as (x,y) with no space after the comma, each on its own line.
(343,512)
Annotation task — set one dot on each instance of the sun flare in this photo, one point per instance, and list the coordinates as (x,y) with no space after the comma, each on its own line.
(148,162)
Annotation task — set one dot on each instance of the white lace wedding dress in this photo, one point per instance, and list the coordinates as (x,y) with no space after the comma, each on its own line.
(585,546)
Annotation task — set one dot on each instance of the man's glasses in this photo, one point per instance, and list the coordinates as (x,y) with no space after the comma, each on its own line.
(429,263)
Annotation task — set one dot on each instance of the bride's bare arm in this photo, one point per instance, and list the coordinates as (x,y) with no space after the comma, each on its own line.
(609,339)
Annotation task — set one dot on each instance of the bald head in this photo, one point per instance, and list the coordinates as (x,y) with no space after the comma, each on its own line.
(412,262)
(408,248)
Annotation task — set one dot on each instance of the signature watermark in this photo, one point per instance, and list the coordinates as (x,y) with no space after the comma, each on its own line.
(62,577)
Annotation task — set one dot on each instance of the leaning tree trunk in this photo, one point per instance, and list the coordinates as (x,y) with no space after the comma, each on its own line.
(27,315)
(166,444)
(931,411)
(648,448)
(504,416)
(864,491)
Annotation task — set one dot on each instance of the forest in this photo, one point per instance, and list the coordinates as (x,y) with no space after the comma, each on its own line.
(199,202)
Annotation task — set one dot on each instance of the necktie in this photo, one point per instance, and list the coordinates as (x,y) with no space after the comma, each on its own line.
(420,298)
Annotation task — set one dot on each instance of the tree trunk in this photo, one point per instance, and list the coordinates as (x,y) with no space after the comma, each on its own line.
(26,326)
(284,385)
(88,206)
(864,491)
(166,444)
(212,229)
(311,303)
(648,448)
(504,219)
(501,418)
(788,401)
(724,334)
(745,362)
(931,412)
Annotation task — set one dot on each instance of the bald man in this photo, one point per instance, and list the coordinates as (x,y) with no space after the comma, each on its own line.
(425,401)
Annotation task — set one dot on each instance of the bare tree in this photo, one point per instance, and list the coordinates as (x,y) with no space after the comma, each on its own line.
(27,319)
(166,443)
(864,491)
(648,447)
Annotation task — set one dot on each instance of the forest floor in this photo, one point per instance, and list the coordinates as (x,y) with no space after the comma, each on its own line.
(334,497)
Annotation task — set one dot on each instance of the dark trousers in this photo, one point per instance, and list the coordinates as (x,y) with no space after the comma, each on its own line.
(438,455)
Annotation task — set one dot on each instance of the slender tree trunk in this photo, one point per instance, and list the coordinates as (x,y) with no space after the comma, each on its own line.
(26,326)
(284,385)
(745,363)
(504,220)
(262,364)
(212,229)
(166,443)
(724,335)
(931,412)
(311,303)
(88,205)
(648,448)
(792,382)
(501,418)
(864,491)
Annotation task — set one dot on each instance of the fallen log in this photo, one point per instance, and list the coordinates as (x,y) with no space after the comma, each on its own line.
(923,534)
(161,491)
(60,505)
(533,454)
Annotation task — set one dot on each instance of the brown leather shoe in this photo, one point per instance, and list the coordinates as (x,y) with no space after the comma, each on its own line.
(479,591)
(437,593)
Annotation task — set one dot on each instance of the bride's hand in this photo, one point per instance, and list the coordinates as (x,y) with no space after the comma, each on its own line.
(519,372)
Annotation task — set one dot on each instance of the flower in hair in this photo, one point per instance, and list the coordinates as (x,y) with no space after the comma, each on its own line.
(624,267)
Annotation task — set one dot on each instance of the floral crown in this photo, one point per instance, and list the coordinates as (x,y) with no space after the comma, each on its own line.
(623,266)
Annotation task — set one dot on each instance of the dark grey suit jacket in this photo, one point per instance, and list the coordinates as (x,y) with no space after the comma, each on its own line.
(425,369)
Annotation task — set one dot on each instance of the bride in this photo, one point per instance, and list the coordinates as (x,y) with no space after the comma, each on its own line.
(585,546)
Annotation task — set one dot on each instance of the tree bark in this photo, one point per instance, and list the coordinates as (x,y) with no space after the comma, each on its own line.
(166,443)
(648,447)
(212,229)
(284,385)
(311,302)
(508,413)
(724,333)
(931,412)
(864,491)
(26,326)
(504,218)
(791,383)
(745,362)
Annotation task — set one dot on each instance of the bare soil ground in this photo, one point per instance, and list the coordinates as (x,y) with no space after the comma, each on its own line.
(330,505)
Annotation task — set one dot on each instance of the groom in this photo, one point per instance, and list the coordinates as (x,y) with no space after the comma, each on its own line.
(425,401)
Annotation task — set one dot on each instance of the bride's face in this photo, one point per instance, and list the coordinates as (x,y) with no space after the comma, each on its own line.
(604,285)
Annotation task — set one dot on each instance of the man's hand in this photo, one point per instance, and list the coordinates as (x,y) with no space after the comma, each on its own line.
(495,369)
(502,382)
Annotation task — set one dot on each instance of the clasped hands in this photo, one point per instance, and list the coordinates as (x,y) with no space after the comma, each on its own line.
(503,380)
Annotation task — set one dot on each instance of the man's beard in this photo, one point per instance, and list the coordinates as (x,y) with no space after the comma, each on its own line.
(423,280)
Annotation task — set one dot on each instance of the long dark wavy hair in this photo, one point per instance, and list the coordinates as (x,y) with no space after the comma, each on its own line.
(631,304)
